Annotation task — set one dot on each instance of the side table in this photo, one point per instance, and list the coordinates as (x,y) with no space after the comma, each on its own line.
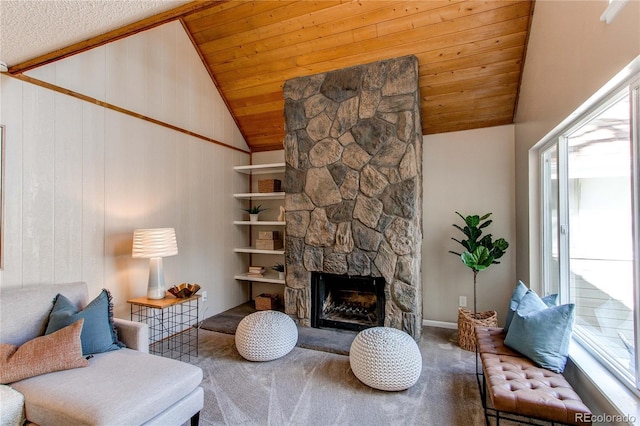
(173,324)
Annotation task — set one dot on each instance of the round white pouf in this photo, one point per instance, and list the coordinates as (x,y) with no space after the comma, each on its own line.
(266,335)
(11,406)
(385,358)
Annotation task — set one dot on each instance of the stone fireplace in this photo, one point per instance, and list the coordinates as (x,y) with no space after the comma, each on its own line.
(353,183)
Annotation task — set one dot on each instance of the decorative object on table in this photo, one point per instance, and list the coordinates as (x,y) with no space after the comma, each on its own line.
(481,252)
(269,185)
(184,290)
(254,211)
(279,267)
(256,271)
(281,215)
(266,301)
(155,244)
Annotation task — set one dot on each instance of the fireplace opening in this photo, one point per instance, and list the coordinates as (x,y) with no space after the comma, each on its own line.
(346,302)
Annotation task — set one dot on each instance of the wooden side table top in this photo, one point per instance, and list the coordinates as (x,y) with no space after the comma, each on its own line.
(169,300)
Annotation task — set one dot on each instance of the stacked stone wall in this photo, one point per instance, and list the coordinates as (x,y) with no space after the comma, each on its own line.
(353,183)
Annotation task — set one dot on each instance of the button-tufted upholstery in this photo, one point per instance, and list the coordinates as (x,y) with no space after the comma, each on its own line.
(491,341)
(516,385)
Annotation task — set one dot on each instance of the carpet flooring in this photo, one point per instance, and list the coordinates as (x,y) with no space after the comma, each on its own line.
(310,387)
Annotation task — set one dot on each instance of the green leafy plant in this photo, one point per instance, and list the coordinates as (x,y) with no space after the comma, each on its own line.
(481,251)
(278,267)
(254,209)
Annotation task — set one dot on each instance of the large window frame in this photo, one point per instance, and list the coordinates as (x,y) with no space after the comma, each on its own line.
(553,157)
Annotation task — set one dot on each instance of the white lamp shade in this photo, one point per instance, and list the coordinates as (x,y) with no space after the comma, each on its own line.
(156,242)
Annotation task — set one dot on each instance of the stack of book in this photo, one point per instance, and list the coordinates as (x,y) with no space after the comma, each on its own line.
(256,271)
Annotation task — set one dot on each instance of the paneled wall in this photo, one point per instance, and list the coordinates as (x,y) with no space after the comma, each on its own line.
(80,178)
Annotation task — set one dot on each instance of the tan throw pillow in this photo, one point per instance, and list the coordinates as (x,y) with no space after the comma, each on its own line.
(57,351)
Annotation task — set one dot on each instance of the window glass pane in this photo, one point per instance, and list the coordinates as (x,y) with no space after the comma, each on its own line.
(600,233)
(551,265)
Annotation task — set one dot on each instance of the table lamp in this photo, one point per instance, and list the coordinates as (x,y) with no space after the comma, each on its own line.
(155,244)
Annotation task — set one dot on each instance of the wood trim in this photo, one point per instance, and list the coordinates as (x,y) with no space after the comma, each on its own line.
(269,147)
(108,37)
(213,78)
(524,57)
(103,104)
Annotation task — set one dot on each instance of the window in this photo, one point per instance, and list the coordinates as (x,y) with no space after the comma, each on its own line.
(590,221)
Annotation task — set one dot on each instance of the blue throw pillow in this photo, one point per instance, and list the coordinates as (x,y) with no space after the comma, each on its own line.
(517,294)
(98,332)
(551,300)
(540,333)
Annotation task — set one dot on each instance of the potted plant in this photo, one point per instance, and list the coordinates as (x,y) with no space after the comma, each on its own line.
(280,268)
(480,253)
(254,211)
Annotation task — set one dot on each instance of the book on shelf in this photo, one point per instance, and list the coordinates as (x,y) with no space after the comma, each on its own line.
(256,271)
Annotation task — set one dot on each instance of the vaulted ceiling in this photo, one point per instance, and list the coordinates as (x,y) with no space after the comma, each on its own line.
(471,53)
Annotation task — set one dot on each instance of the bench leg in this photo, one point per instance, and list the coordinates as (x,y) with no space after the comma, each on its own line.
(195,419)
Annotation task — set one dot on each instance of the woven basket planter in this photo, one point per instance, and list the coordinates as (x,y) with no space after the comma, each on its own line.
(467,324)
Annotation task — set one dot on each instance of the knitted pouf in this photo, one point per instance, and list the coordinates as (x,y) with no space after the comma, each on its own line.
(385,358)
(11,406)
(266,335)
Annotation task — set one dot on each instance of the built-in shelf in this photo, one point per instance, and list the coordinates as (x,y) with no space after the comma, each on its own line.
(268,278)
(260,196)
(260,169)
(259,223)
(254,250)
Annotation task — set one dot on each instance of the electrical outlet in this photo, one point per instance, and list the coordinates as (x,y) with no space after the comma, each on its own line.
(462,301)
(204,296)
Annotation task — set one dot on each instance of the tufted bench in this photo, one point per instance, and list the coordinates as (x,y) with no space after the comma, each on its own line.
(517,386)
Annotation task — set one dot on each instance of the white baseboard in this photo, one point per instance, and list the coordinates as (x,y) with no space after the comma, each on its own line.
(440,324)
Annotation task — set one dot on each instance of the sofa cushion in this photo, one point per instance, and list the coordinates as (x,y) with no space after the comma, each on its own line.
(24,311)
(98,334)
(142,387)
(57,351)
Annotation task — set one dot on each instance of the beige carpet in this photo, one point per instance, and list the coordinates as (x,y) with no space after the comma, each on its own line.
(308,387)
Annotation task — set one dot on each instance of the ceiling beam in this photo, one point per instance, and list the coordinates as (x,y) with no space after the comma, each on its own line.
(108,37)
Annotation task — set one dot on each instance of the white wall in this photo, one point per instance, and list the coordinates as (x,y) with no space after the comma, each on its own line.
(470,172)
(80,178)
(570,55)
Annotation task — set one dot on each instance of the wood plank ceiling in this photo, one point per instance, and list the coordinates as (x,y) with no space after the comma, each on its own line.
(470,55)
(470,52)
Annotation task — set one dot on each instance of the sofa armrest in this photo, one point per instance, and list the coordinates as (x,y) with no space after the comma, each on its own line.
(133,334)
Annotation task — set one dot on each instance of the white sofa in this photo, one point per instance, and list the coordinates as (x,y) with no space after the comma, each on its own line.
(122,387)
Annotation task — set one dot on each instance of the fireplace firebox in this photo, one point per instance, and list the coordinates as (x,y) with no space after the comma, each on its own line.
(346,302)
